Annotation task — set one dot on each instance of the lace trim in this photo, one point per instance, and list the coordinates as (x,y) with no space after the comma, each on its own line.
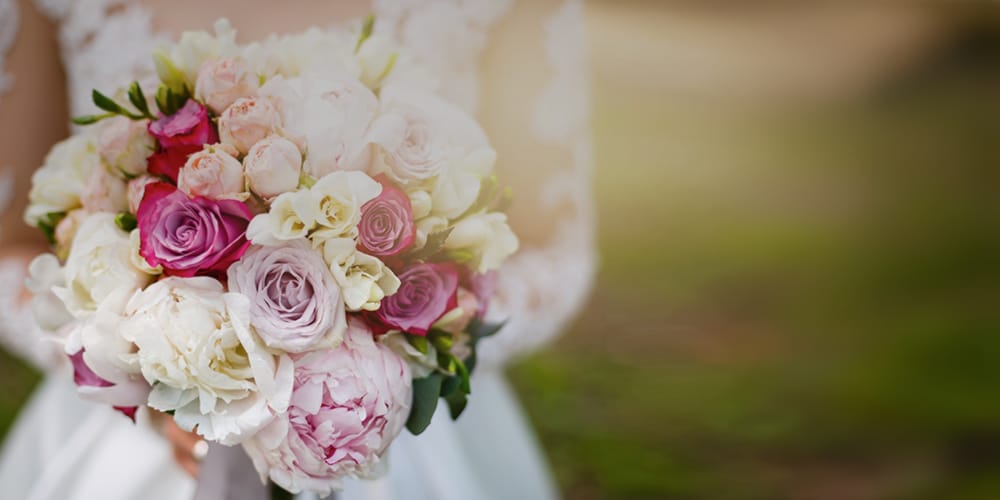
(9,21)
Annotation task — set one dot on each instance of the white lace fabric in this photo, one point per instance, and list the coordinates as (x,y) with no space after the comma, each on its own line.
(108,42)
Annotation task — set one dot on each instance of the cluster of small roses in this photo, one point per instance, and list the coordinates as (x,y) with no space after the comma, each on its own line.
(292,253)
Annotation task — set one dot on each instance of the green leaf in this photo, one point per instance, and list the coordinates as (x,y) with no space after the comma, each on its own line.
(435,242)
(480,330)
(425,395)
(450,385)
(366,31)
(169,73)
(279,493)
(138,99)
(90,119)
(106,103)
(47,224)
(457,402)
(126,221)
(419,343)
(463,375)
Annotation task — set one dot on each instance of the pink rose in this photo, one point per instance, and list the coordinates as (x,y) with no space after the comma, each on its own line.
(212,173)
(136,189)
(273,166)
(426,292)
(179,135)
(222,81)
(83,376)
(295,304)
(348,404)
(386,226)
(190,236)
(248,121)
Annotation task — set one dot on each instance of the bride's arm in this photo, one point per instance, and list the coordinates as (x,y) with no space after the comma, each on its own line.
(32,118)
(535,105)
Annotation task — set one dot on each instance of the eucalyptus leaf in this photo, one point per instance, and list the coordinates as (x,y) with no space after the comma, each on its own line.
(426,391)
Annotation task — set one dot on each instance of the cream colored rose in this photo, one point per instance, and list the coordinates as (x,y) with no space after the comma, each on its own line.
(222,81)
(99,266)
(197,349)
(364,280)
(125,145)
(247,121)
(487,236)
(273,166)
(213,173)
(58,185)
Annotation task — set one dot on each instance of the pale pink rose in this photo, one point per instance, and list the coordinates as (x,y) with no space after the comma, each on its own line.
(212,173)
(222,81)
(273,166)
(104,193)
(347,406)
(136,189)
(248,121)
(125,145)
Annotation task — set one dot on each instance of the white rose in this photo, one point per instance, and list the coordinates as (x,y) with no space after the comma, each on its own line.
(330,119)
(44,274)
(59,183)
(104,193)
(457,188)
(248,121)
(125,145)
(337,200)
(273,166)
(291,217)
(364,280)
(419,134)
(222,81)
(487,236)
(213,173)
(99,267)
(196,348)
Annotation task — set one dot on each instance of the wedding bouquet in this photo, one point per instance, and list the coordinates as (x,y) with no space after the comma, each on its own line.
(287,245)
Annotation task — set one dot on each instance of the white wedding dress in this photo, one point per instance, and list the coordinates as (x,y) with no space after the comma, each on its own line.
(63,448)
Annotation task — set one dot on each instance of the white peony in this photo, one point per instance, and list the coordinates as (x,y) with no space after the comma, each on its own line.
(45,273)
(58,185)
(329,117)
(125,145)
(364,280)
(487,236)
(104,193)
(196,347)
(99,268)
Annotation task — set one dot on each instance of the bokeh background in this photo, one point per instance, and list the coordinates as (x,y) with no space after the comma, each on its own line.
(799,295)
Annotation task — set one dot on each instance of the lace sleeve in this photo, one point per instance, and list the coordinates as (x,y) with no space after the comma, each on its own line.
(8,30)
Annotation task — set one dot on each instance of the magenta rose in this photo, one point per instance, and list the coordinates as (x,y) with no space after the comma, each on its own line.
(190,236)
(295,303)
(386,226)
(347,406)
(83,376)
(179,135)
(426,292)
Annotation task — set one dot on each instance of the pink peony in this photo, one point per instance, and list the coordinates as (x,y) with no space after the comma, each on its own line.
(426,293)
(348,404)
(295,304)
(387,227)
(190,236)
(180,135)
(83,376)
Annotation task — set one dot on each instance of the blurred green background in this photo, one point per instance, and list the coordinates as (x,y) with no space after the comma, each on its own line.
(799,228)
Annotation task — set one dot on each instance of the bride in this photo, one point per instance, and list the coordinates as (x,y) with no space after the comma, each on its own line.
(519,66)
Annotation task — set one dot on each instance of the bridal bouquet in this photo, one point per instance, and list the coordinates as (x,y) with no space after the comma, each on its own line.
(286,245)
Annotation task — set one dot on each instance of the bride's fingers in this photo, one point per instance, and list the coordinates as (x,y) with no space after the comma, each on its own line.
(186,462)
(183,443)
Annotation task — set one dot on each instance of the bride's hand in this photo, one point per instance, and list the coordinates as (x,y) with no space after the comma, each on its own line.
(189,448)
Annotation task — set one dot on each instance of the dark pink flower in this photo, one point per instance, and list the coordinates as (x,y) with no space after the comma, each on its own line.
(179,135)
(83,376)
(190,236)
(386,226)
(426,292)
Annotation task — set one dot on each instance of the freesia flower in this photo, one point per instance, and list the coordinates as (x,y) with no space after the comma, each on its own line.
(364,280)
(487,236)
